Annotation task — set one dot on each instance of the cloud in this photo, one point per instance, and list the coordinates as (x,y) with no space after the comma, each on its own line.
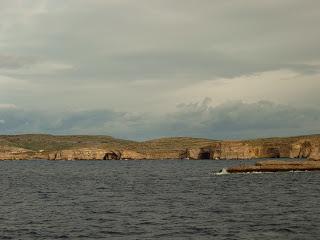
(7,106)
(237,119)
(14,62)
(141,59)
(200,119)
(283,87)
(122,41)
(37,69)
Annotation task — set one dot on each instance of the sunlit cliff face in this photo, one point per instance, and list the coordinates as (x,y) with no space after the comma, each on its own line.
(157,68)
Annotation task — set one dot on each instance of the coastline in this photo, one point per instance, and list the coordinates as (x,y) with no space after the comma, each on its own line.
(276,166)
(50,147)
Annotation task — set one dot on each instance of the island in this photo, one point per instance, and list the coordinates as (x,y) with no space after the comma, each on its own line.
(86,147)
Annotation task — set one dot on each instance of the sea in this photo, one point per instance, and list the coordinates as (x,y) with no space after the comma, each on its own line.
(155,199)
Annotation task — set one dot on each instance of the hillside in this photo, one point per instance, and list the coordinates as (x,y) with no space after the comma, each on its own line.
(42,146)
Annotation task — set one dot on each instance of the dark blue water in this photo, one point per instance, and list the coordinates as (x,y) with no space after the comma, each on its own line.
(154,200)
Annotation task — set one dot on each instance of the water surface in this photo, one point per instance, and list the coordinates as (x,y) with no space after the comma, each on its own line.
(176,199)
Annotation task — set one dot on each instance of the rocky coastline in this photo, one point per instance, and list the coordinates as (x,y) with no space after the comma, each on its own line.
(277,166)
(50,147)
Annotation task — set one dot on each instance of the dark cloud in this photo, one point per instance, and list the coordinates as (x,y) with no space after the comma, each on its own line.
(253,120)
(229,120)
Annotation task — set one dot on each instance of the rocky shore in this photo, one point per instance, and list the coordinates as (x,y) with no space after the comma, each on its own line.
(277,166)
(50,147)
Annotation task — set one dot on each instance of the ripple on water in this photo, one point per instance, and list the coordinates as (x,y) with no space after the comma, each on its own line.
(154,200)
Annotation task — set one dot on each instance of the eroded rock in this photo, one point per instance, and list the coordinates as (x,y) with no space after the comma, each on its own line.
(186,148)
(276,166)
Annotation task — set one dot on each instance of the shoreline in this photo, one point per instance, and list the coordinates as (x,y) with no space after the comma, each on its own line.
(275,166)
(50,147)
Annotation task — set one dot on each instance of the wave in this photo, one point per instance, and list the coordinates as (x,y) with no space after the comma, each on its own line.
(223,171)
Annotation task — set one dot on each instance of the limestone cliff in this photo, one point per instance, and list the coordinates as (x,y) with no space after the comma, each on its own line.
(14,153)
(106,148)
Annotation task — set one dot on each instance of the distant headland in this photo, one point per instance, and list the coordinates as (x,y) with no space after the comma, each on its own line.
(86,147)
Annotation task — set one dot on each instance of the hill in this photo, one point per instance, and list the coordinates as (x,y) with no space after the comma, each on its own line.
(43,146)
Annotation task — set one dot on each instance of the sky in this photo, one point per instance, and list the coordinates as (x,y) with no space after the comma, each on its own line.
(141,69)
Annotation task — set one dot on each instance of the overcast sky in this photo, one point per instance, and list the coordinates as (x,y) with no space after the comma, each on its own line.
(140,69)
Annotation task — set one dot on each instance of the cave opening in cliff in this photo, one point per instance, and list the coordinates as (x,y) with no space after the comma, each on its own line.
(273,152)
(205,155)
(305,150)
(110,156)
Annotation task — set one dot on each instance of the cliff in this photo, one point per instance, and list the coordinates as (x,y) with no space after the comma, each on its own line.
(24,147)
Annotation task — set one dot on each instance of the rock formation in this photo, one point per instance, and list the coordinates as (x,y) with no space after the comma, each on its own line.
(277,166)
(106,148)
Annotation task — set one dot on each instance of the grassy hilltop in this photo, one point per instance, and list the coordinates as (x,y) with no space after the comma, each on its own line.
(46,142)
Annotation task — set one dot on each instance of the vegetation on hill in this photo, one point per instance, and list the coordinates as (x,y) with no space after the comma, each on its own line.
(51,142)
(47,142)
